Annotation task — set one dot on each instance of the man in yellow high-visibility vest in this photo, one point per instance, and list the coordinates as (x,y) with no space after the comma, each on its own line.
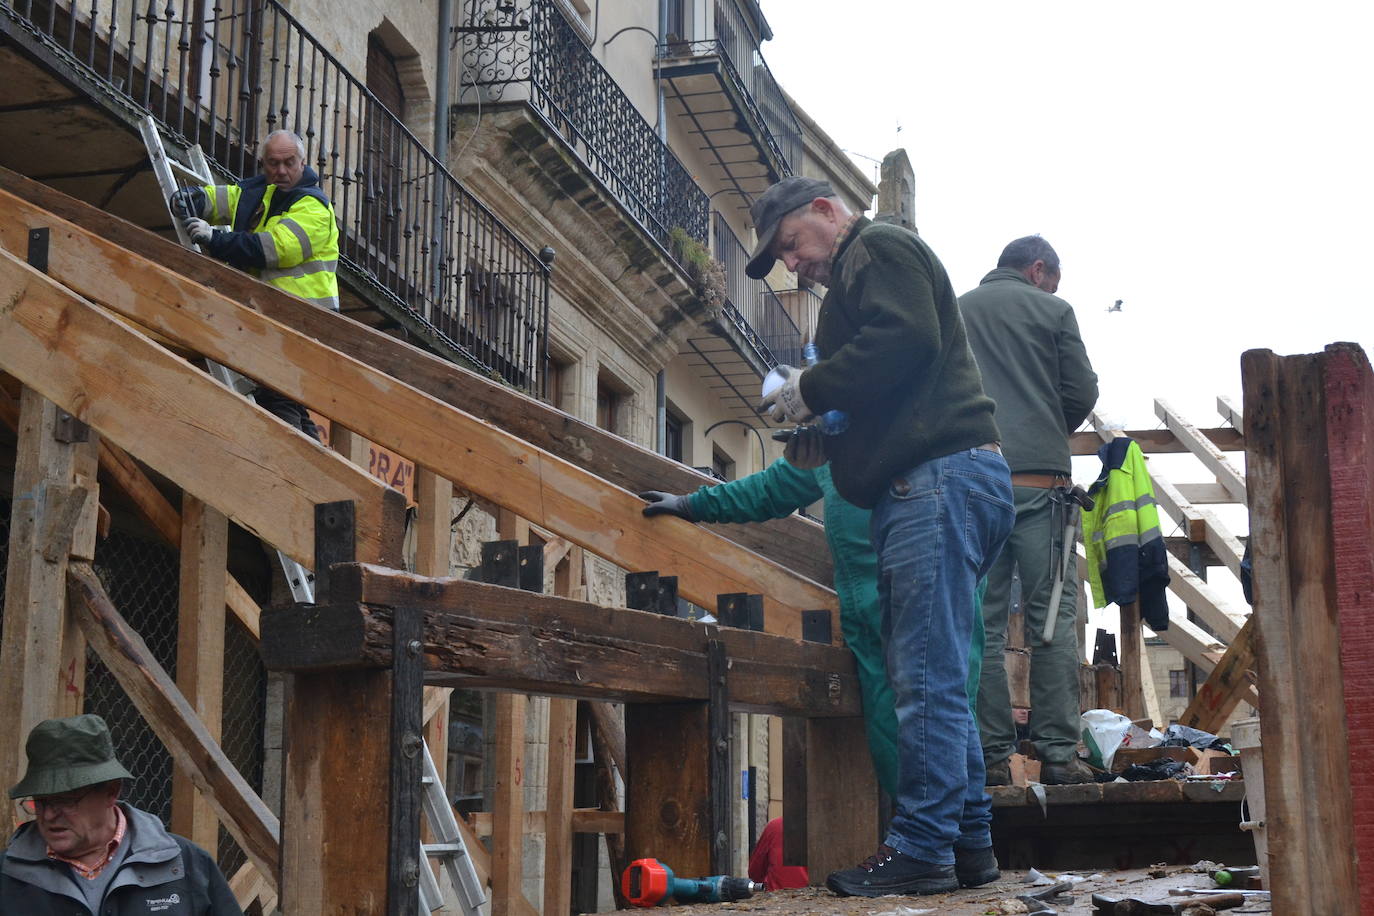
(282,229)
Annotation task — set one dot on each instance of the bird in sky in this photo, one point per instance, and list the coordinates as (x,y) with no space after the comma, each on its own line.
(1115,306)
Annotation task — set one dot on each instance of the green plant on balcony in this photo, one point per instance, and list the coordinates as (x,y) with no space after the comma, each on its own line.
(707,272)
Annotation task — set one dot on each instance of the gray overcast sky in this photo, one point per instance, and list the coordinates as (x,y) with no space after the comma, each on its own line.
(1209,163)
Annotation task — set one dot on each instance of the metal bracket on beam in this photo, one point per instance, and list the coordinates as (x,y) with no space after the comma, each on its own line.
(740,610)
(500,563)
(407,763)
(648,591)
(721,786)
(816,626)
(336,541)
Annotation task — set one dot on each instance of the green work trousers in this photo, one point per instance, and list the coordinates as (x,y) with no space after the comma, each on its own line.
(1054,717)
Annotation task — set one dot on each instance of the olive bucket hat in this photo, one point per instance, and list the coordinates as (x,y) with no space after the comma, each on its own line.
(68,754)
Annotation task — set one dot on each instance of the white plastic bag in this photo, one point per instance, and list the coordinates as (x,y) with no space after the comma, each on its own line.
(1103,733)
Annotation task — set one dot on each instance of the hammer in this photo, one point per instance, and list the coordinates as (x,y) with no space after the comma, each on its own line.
(1134,906)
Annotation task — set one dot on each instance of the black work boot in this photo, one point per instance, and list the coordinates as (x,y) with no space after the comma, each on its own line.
(1069,772)
(975,867)
(999,773)
(890,872)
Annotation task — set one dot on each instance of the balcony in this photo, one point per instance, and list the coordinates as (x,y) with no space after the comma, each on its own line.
(419,253)
(754,331)
(527,51)
(721,84)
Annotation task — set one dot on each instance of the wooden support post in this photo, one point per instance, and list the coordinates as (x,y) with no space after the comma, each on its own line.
(339,744)
(1310,460)
(501,560)
(829,795)
(668,787)
(200,652)
(508,803)
(349,444)
(42,522)
(558,828)
(1133,663)
(433,546)
(721,772)
(407,762)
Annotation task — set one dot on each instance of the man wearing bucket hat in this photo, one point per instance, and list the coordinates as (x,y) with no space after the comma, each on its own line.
(85,848)
(921,452)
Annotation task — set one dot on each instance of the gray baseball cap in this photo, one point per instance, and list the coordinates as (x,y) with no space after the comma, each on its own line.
(68,754)
(768,211)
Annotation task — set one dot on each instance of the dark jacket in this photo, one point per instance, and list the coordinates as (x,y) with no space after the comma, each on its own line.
(161,874)
(895,357)
(1033,365)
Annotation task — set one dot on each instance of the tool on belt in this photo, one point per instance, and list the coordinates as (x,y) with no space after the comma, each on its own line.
(1063,501)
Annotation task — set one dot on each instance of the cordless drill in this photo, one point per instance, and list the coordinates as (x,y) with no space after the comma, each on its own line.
(648,882)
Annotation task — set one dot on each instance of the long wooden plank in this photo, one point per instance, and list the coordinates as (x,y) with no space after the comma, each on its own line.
(1225,687)
(1205,450)
(35,588)
(533,484)
(1216,611)
(583,820)
(508,803)
(175,723)
(494,637)
(200,653)
(794,542)
(1307,790)
(1159,441)
(211,442)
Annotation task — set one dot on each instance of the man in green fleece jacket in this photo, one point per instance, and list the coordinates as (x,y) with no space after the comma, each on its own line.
(1034,365)
(776,492)
(921,452)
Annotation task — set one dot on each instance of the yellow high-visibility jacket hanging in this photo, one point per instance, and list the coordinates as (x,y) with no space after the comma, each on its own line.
(287,238)
(1126,554)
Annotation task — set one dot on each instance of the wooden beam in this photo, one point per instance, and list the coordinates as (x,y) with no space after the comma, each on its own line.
(508,803)
(1205,494)
(123,472)
(583,820)
(1159,441)
(668,786)
(533,484)
(485,635)
(175,723)
(246,462)
(1231,413)
(558,829)
(1134,666)
(829,795)
(1205,450)
(1225,686)
(1216,611)
(200,653)
(1309,804)
(794,542)
(35,586)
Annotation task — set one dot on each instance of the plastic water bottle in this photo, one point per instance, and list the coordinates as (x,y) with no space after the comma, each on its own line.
(832,422)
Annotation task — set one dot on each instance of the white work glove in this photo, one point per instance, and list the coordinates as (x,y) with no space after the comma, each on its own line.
(198,229)
(784,403)
(806,449)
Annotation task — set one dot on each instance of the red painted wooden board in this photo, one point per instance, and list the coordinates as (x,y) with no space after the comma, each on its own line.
(1349,385)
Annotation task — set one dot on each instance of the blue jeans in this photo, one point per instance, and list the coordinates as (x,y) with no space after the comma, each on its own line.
(937,531)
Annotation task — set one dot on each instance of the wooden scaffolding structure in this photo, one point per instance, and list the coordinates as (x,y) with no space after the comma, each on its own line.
(99,324)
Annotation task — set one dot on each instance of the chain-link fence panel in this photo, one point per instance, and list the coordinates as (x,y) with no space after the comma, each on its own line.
(241,734)
(141,578)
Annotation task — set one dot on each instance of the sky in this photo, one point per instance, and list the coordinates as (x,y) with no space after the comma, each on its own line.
(1208,163)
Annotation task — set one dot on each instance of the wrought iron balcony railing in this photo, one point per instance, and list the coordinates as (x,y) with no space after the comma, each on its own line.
(745,66)
(752,306)
(541,58)
(225,73)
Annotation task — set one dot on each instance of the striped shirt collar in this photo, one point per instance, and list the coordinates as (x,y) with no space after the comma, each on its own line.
(91,872)
(843,236)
